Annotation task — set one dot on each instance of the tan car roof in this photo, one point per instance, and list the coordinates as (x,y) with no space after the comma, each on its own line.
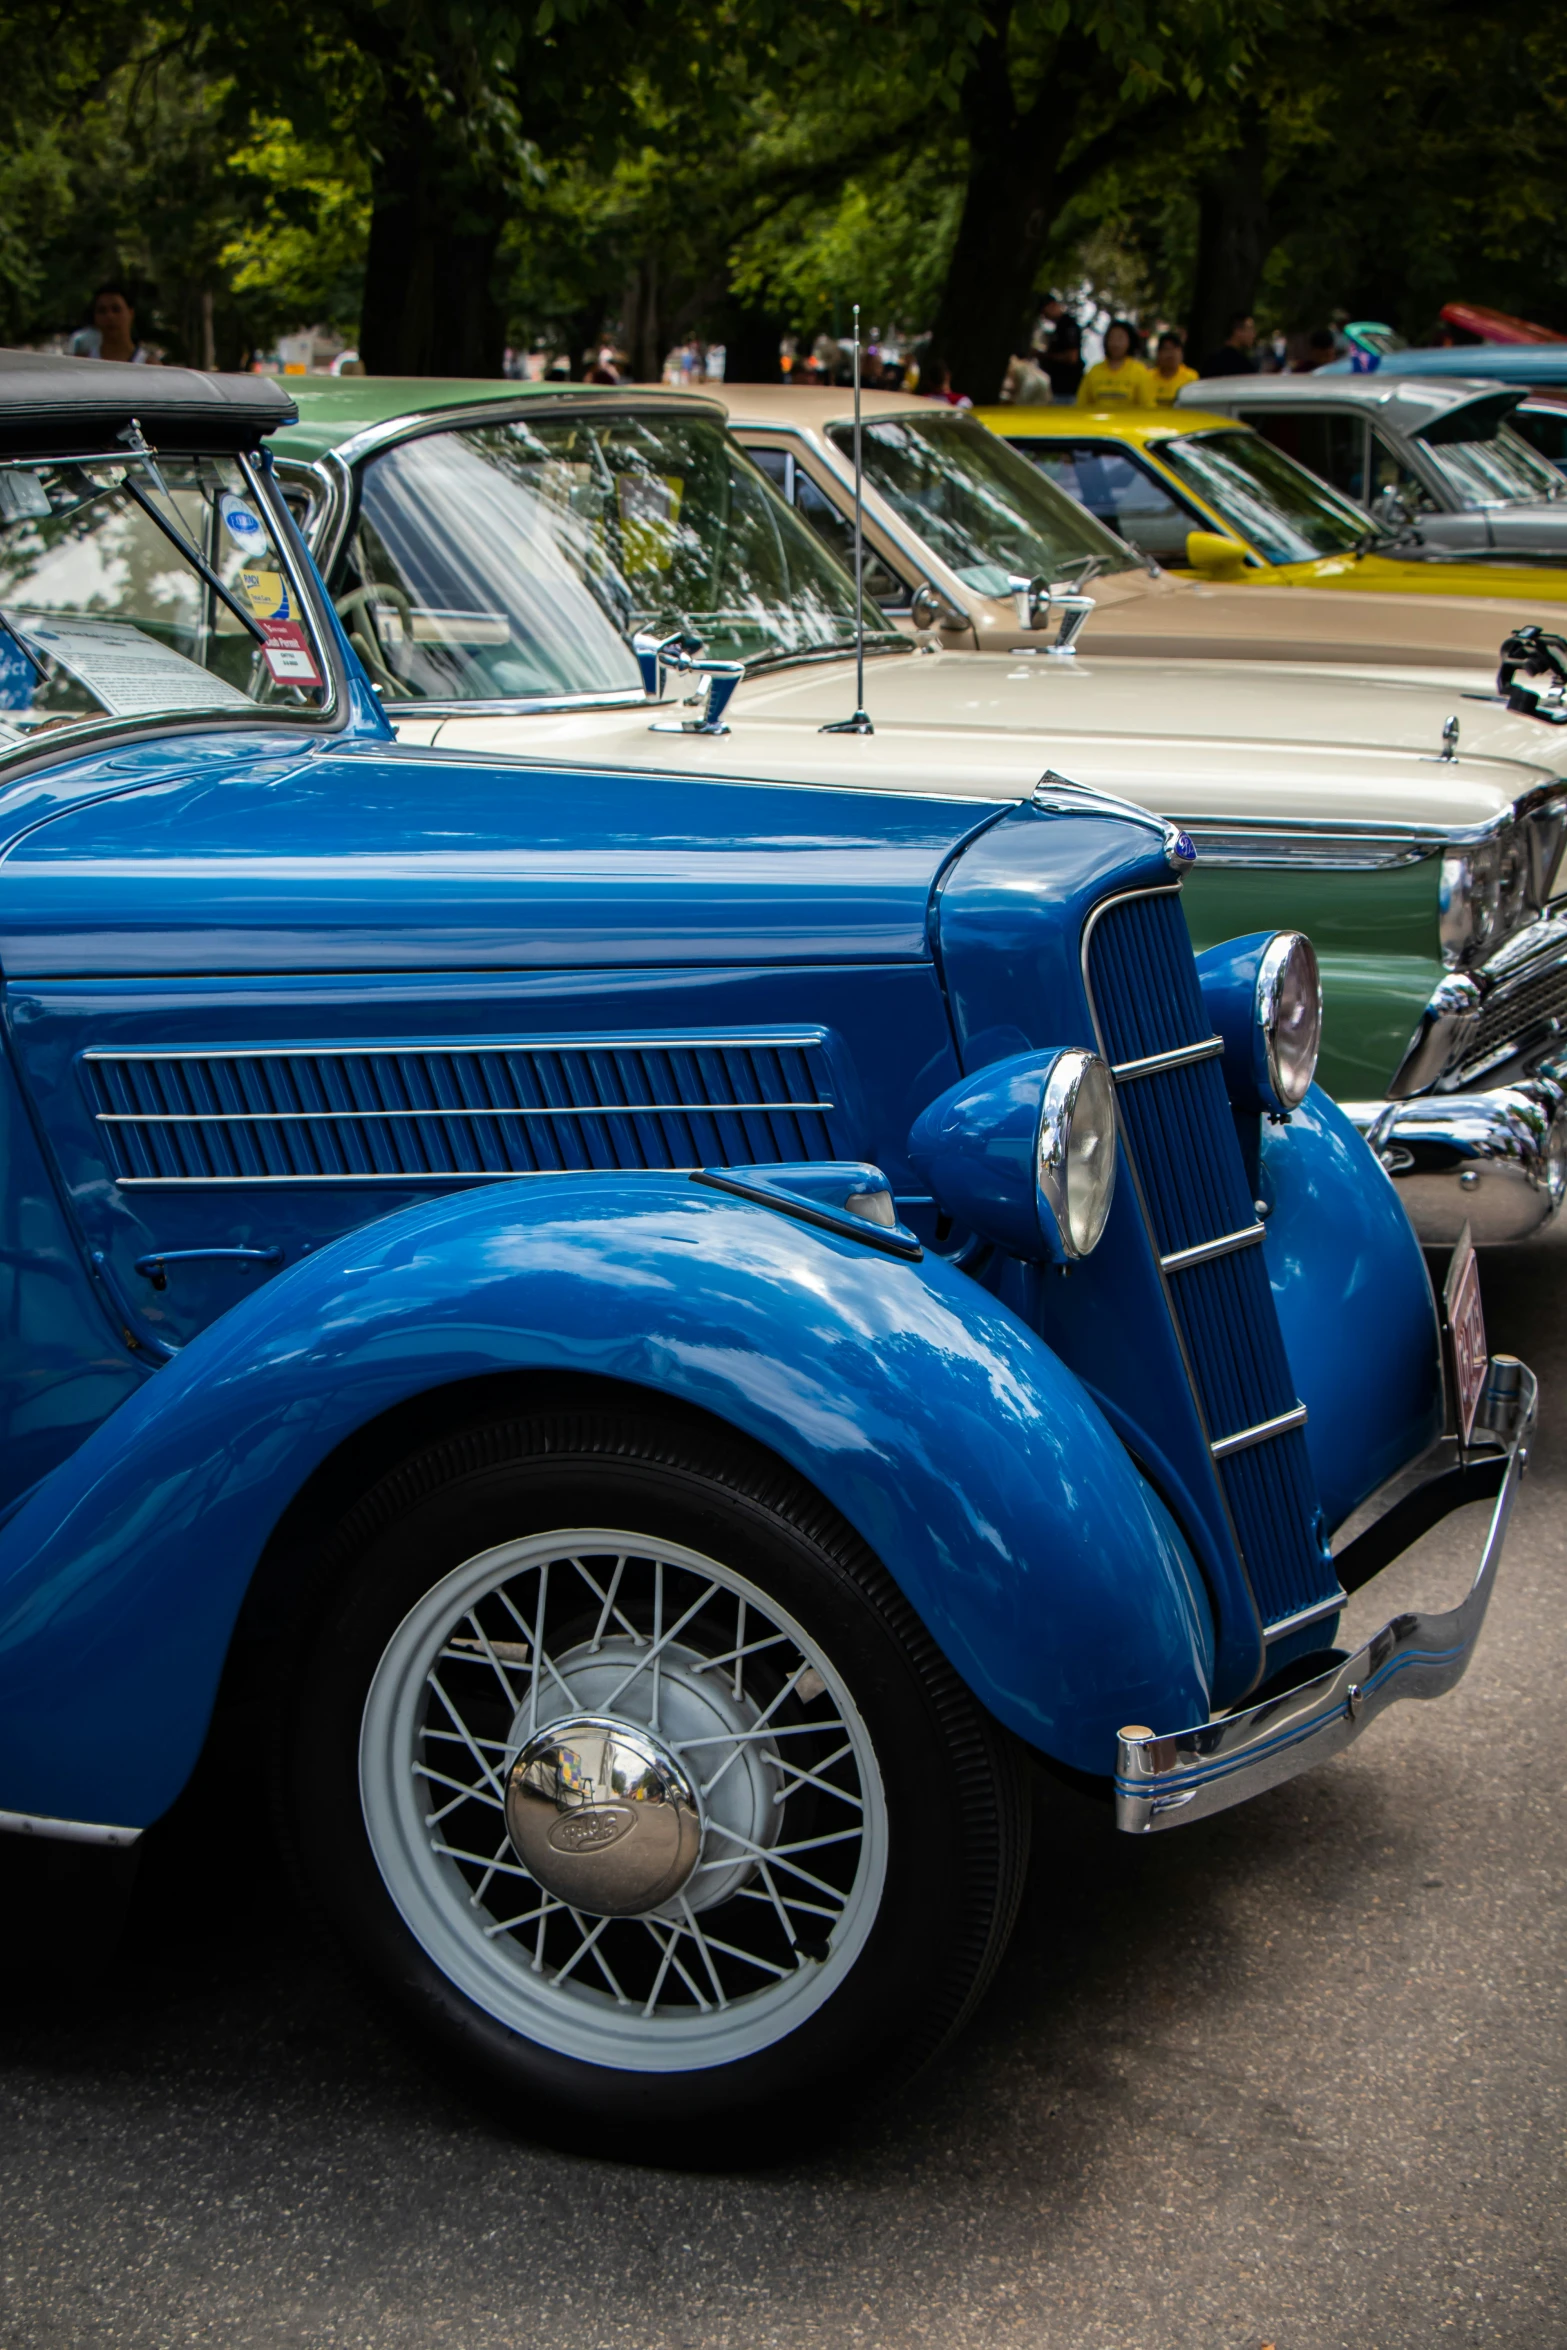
(814,406)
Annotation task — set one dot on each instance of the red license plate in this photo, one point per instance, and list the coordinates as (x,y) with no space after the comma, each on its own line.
(1466,1332)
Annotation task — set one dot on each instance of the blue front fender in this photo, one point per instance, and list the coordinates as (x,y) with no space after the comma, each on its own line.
(950,1438)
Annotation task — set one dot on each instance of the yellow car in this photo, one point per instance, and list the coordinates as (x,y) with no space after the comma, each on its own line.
(1202,493)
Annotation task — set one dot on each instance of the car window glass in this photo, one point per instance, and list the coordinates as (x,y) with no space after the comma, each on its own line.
(1120,491)
(1328,442)
(1544,426)
(514,560)
(1498,469)
(834,526)
(987,513)
(1265,497)
(105,614)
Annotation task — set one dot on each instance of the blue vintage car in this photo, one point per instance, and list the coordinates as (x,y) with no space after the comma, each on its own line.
(650,1338)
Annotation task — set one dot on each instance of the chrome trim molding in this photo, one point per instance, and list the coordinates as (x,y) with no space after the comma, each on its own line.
(1317,1613)
(1203,1250)
(452,1110)
(1183,1055)
(1165,1781)
(29,1823)
(1336,848)
(641,1040)
(1259,1433)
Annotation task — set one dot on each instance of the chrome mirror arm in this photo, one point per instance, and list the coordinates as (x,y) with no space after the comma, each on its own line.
(716,682)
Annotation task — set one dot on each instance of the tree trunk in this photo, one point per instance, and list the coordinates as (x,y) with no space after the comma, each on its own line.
(429,298)
(1232,241)
(1009,207)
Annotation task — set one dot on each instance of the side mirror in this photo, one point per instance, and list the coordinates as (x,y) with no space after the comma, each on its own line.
(1390,507)
(1215,555)
(931,609)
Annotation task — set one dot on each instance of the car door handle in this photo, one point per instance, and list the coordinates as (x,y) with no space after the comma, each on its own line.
(155,1268)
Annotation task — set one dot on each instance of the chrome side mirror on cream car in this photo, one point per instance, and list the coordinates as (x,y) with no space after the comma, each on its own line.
(680,655)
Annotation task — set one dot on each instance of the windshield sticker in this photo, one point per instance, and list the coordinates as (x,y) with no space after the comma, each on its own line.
(287,653)
(266,593)
(243,523)
(131,674)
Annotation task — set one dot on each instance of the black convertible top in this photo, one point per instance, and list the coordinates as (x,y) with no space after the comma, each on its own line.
(52,407)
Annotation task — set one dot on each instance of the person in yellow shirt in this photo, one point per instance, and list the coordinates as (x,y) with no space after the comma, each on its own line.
(1170,370)
(1120,380)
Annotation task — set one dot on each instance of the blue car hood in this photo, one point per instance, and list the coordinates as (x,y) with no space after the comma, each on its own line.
(216,855)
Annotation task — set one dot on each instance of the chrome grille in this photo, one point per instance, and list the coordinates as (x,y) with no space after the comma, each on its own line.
(423,1113)
(1180,1136)
(1525,1004)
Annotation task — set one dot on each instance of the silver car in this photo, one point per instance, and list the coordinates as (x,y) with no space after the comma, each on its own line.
(1438,457)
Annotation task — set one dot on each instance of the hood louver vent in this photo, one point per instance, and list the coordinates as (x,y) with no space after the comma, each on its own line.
(463,1113)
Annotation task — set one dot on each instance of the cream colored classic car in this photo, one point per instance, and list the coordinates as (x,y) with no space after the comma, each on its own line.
(530,572)
(962,532)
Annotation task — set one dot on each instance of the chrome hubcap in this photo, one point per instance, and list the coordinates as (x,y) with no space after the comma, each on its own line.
(602,1815)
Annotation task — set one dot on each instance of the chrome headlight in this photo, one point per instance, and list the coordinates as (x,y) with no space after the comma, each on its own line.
(1483,895)
(1264,997)
(1075,1156)
(1289,1015)
(1023,1153)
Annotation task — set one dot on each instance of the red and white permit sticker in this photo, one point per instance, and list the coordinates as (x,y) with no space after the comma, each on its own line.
(1466,1331)
(287,653)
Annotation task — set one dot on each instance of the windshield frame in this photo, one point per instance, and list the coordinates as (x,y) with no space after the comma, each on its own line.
(1354,517)
(335,714)
(919,548)
(340,472)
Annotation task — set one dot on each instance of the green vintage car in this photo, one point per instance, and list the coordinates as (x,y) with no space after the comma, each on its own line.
(514,562)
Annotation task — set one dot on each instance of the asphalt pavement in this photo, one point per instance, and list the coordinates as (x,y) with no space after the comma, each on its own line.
(1292,2076)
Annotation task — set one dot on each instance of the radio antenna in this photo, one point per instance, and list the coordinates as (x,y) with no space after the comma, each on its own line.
(860,722)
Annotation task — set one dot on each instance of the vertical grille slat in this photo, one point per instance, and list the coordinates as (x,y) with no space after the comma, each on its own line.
(401,1113)
(1180,1135)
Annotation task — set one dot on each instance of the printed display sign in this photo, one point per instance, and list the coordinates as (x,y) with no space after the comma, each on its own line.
(1465,1318)
(132,675)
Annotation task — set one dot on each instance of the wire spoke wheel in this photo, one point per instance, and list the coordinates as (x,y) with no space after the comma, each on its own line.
(623,1800)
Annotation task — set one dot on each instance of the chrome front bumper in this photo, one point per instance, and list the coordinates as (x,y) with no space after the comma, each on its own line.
(1495,1161)
(1167,1780)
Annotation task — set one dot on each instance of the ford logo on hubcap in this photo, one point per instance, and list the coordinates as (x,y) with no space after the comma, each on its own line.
(591,1830)
(602,1814)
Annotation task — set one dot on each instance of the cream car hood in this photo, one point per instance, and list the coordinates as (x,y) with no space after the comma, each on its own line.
(1205,742)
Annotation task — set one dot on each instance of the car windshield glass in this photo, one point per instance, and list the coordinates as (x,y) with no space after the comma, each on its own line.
(1502,470)
(105,613)
(515,560)
(1264,496)
(988,514)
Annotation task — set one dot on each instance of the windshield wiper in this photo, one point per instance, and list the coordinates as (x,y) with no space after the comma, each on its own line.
(1079,574)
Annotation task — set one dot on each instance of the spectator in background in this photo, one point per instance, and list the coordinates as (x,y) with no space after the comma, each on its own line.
(1120,380)
(1062,360)
(112,334)
(936,384)
(1169,371)
(1321,346)
(1237,354)
(1025,383)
